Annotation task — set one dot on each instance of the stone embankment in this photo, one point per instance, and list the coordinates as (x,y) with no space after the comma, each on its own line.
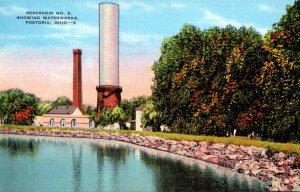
(277,170)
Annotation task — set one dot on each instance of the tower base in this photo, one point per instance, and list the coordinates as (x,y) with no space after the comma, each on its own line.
(108,96)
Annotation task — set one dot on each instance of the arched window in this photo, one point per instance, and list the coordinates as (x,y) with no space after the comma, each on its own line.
(91,124)
(63,123)
(52,122)
(73,123)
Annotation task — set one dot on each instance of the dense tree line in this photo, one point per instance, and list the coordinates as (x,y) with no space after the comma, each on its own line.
(216,80)
(20,108)
(17,107)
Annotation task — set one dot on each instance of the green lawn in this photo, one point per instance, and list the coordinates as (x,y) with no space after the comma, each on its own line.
(245,141)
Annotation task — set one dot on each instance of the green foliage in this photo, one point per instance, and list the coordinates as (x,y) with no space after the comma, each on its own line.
(88,109)
(104,118)
(63,100)
(220,79)
(110,116)
(18,107)
(286,33)
(281,85)
(150,117)
(129,106)
(204,79)
(44,107)
(120,114)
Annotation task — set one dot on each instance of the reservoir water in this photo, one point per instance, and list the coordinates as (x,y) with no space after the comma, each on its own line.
(48,164)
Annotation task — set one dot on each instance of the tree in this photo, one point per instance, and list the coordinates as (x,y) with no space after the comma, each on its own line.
(18,107)
(89,110)
(205,79)
(175,52)
(150,117)
(128,106)
(119,114)
(279,80)
(44,107)
(62,100)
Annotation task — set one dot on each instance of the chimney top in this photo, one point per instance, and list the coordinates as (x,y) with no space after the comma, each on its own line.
(77,51)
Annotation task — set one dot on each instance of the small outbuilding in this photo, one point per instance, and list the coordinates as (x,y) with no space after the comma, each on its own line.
(67,116)
(138,117)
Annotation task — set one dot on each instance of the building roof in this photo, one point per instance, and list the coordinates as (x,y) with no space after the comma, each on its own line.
(63,109)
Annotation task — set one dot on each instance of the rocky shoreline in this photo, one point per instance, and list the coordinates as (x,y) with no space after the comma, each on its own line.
(277,170)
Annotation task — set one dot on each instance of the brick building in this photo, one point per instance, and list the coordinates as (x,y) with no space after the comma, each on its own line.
(67,116)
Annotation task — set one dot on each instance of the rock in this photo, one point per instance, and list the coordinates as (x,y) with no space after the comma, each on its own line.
(180,152)
(296,186)
(280,163)
(286,181)
(281,155)
(247,172)
(164,147)
(188,144)
(173,148)
(218,146)
(263,153)
(275,184)
(255,171)
(232,157)
(189,154)
(199,154)
(212,159)
(171,142)
(279,171)
(203,144)
(283,188)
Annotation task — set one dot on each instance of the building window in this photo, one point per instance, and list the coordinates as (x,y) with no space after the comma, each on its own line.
(63,123)
(73,123)
(91,124)
(52,122)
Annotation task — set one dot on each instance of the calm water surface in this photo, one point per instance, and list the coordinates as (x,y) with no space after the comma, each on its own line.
(32,164)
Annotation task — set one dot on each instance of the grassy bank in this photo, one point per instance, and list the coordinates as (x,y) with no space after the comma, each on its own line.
(244,141)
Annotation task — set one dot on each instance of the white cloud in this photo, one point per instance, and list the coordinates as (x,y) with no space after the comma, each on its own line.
(79,30)
(134,38)
(13,10)
(128,5)
(217,20)
(175,5)
(266,8)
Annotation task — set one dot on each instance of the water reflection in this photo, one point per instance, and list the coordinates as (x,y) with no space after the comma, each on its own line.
(101,165)
(77,163)
(17,147)
(116,156)
(192,178)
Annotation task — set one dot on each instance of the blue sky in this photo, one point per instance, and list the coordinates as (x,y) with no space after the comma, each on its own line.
(143,26)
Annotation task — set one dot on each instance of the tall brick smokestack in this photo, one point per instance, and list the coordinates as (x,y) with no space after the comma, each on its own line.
(109,91)
(77,80)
